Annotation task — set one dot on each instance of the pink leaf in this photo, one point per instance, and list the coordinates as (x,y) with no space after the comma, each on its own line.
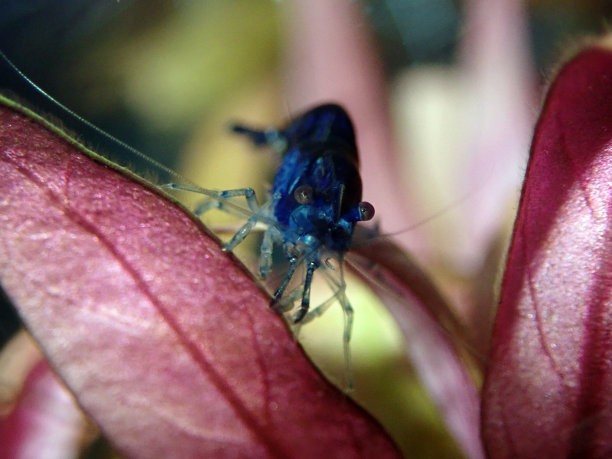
(45,418)
(498,121)
(548,392)
(433,335)
(165,340)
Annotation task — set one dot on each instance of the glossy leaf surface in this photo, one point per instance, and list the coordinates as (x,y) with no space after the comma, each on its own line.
(548,391)
(166,341)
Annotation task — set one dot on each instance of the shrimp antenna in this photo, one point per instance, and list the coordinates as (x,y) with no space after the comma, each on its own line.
(90,125)
(105,135)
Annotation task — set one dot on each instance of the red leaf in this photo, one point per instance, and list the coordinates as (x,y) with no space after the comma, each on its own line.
(548,392)
(165,340)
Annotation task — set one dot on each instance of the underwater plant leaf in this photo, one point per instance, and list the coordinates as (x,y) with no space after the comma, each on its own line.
(44,418)
(166,341)
(548,390)
(435,339)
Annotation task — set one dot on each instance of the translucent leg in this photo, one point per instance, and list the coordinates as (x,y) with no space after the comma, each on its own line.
(248,193)
(346,342)
(221,199)
(287,302)
(339,295)
(260,214)
(339,286)
(206,205)
(320,309)
(223,204)
(265,253)
(283,286)
(241,234)
(303,310)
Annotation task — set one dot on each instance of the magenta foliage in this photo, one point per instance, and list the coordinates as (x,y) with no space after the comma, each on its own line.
(548,391)
(165,340)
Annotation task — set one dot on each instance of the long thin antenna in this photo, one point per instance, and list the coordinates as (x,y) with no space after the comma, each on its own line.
(93,127)
(187,184)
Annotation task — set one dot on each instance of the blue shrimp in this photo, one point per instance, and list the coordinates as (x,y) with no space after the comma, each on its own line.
(314,204)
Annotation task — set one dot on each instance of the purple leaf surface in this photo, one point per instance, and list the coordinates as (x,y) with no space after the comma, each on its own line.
(548,391)
(166,341)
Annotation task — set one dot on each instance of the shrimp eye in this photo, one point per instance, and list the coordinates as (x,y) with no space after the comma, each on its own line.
(366,211)
(303,194)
